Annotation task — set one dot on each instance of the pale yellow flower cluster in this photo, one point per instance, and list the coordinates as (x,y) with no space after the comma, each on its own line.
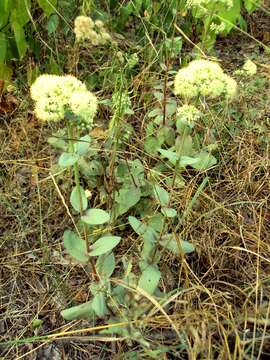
(86,29)
(56,96)
(187,115)
(250,68)
(205,3)
(204,78)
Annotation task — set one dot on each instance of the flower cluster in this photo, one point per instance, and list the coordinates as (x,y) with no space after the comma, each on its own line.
(204,78)
(205,3)
(187,115)
(248,69)
(88,30)
(56,96)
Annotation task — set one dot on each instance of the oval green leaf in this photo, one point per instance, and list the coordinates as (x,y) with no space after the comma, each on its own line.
(104,244)
(169,212)
(82,311)
(75,246)
(68,159)
(95,217)
(149,279)
(78,199)
(161,195)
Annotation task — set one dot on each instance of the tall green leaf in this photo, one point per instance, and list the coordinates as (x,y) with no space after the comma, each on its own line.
(3,47)
(5,6)
(48,6)
(19,38)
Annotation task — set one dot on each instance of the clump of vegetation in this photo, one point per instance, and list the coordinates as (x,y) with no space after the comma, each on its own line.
(144,223)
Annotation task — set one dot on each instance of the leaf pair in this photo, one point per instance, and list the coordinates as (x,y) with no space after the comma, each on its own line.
(76,247)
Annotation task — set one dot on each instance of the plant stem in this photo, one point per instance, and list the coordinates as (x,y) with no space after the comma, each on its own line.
(73,134)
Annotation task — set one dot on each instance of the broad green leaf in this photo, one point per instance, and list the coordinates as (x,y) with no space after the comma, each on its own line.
(96,217)
(78,312)
(174,245)
(155,112)
(20,11)
(172,156)
(188,160)
(82,146)
(252,5)
(149,279)
(78,199)
(48,6)
(5,72)
(104,244)
(230,16)
(161,195)
(53,23)
(3,47)
(168,212)
(99,305)
(105,265)
(19,38)
(204,161)
(68,159)
(75,246)
(5,6)
(138,226)
(152,145)
(57,142)
(126,198)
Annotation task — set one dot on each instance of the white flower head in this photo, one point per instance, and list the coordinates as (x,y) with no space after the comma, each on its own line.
(93,32)
(84,106)
(55,96)
(250,68)
(202,78)
(82,26)
(187,115)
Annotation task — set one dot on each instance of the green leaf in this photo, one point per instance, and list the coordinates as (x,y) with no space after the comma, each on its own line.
(230,16)
(19,38)
(20,11)
(96,217)
(52,24)
(78,199)
(82,146)
(172,156)
(161,195)
(252,5)
(3,47)
(68,159)
(149,279)
(104,244)
(99,305)
(105,265)
(204,161)
(48,6)
(138,226)
(5,72)
(5,6)
(36,323)
(126,198)
(82,311)
(58,143)
(174,245)
(169,212)
(75,246)
(152,145)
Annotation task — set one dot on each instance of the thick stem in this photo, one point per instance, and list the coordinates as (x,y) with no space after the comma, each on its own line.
(71,136)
